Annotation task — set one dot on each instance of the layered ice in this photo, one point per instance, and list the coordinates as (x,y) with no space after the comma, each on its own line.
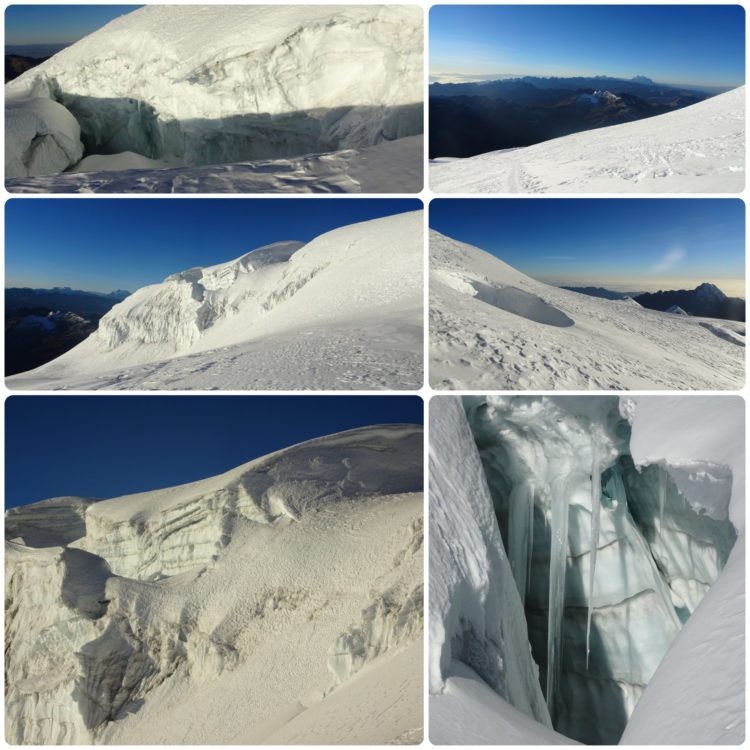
(235,610)
(196,85)
(619,554)
(345,306)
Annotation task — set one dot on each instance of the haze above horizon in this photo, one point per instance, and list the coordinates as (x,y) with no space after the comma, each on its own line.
(680,44)
(625,245)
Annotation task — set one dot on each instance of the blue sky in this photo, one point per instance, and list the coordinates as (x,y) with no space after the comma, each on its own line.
(125,243)
(698,44)
(622,244)
(105,446)
(44,24)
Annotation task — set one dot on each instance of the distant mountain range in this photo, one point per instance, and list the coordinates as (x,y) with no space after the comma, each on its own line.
(705,301)
(473,118)
(42,324)
(22,57)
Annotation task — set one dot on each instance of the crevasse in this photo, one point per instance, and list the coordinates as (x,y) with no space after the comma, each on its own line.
(609,560)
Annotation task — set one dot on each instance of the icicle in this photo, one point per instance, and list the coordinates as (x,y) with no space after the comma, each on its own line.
(596,497)
(519,537)
(662,493)
(557,568)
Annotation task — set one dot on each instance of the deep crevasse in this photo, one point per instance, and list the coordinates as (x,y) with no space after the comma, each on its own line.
(613,575)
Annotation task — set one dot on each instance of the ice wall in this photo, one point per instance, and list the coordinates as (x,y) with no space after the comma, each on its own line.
(616,559)
(194,85)
(476,615)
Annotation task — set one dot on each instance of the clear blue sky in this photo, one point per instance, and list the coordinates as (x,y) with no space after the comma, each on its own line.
(45,24)
(105,446)
(623,244)
(125,243)
(699,44)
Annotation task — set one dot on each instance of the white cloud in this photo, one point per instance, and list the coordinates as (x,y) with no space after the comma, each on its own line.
(669,261)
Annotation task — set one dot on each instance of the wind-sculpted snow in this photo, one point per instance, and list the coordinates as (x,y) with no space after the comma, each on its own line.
(389,167)
(344,310)
(492,327)
(698,149)
(619,553)
(231,610)
(200,85)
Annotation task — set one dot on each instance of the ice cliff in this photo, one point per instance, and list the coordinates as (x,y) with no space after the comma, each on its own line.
(362,280)
(193,85)
(153,617)
(611,551)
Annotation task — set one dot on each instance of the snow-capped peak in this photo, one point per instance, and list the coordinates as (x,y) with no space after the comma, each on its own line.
(707,292)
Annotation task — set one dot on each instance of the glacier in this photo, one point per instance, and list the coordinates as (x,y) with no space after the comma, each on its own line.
(697,149)
(188,86)
(279,602)
(593,543)
(343,311)
(495,328)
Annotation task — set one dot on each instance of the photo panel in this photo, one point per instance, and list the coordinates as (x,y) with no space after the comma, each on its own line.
(214,570)
(214,294)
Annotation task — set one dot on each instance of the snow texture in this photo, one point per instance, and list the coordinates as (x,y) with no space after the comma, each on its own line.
(698,149)
(279,602)
(389,167)
(492,327)
(189,86)
(343,311)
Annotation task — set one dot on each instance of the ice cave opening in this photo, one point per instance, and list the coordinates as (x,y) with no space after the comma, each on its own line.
(610,559)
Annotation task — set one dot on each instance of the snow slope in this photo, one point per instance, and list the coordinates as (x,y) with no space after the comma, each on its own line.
(694,693)
(278,602)
(698,149)
(492,327)
(697,696)
(211,85)
(342,311)
(389,167)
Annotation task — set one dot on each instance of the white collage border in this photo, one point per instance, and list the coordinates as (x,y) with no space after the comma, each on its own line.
(426,195)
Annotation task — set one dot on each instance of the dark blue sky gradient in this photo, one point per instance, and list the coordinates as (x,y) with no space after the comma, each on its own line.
(698,44)
(44,24)
(106,446)
(125,243)
(608,242)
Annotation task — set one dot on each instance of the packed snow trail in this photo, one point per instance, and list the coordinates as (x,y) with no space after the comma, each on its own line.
(478,344)
(195,85)
(278,602)
(389,167)
(698,149)
(343,311)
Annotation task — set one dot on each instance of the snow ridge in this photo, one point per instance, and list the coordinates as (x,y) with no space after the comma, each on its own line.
(492,327)
(192,596)
(360,282)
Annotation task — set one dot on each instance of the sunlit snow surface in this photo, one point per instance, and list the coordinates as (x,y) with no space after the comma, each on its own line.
(246,98)
(343,311)
(651,572)
(390,167)
(280,602)
(492,327)
(698,149)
